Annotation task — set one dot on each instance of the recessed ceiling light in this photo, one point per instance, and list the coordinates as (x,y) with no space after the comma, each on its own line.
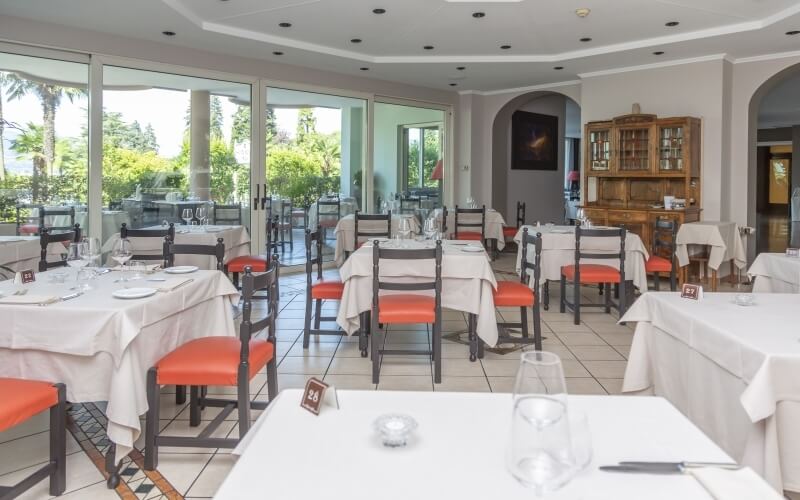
(558,67)
(285,25)
(364,69)
(461,68)
(355,40)
(793,32)
(582,12)
(505,47)
(379,11)
(428,47)
(658,53)
(453,84)
(277,53)
(672,24)
(586,39)
(478,15)
(168,33)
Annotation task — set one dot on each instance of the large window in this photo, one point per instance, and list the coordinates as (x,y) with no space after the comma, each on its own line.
(43,141)
(422,150)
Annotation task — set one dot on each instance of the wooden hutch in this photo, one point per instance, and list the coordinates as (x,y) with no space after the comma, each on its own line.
(632,162)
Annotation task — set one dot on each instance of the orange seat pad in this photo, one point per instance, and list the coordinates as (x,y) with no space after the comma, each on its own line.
(406,308)
(470,235)
(327,289)
(211,361)
(513,294)
(510,231)
(656,264)
(22,399)
(259,263)
(592,273)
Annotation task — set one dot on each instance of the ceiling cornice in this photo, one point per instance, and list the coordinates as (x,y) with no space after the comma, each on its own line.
(662,64)
(767,57)
(531,88)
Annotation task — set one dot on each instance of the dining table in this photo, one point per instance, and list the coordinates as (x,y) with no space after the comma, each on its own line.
(346,227)
(458,450)
(111,221)
(775,273)
(731,369)
(493,229)
(347,206)
(101,346)
(467,282)
(19,253)
(235,238)
(722,239)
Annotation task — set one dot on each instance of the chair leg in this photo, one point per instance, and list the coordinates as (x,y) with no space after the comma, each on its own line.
(656,282)
(576,292)
(194,407)
(307,325)
(376,341)
(623,298)
(473,344)
(563,306)
(180,394)
(437,352)
(151,422)
(546,295)
(607,287)
(243,403)
(523,316)
(272,378)
(537,327)
(236,280)
(317,313)
(58,443)
(673,285)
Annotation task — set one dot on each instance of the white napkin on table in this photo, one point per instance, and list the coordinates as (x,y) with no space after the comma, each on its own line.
(29,299)
(147,267)
(741,484)
(172,284)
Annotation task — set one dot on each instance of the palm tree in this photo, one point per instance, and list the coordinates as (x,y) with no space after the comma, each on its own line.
(50,97)
(330,153)
(29,145)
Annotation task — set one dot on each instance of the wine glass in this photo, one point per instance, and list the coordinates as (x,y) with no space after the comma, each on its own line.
(404,228)
(93,251)
(540,451)
(122,253)
(75,260)
(200,214)
(187,216)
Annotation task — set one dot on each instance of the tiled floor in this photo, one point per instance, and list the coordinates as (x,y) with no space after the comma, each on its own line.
(594,355)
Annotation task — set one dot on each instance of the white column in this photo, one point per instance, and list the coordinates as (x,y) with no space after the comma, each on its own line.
(199,150)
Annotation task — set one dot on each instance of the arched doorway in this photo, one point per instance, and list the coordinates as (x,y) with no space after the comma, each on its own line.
(774,146)
(543,191)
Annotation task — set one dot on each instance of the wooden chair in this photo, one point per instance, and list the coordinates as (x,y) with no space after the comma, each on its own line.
(520,294)
(217,251)
(163,232)
(331,218)
(511,231)
(662,256)
(229,215)
(150,214)
(409,204)
(220,361)
(22,399)
(370,233)
(285,224)
(259,263)
(64,238)
(27,223)
(594,274)
(470,235)
(406,308)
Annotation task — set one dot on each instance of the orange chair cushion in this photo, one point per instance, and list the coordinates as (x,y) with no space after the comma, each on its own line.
(470,235)
(656,264)
(510,232)
(328,223)
(28,229)
(211,361)
(22,399)
(592,273)
(513,294)
(327,289)
(406,308)
(260,264)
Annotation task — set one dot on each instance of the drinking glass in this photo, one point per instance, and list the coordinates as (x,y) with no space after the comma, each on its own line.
(121,254)
(200,215)
(94,251)
(75,260)
(540,452)
(187,216)
(137,268)
(470,202)
(404,228)
(581,437)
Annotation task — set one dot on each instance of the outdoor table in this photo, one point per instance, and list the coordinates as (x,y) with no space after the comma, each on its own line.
(730,369)
(775,273)
(459,451)
(346,228)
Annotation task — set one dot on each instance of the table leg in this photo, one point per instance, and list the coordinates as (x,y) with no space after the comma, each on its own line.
(112,468)
(546,294)
(362,333)
(733,278)
(713,280)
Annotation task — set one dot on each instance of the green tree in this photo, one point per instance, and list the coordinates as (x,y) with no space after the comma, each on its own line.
(29,145)
(240,129)
(306,125)
(328,147)
(124,168)
(216,120)
(271,126)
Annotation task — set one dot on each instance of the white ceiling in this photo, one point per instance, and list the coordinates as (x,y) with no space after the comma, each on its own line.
(542,33)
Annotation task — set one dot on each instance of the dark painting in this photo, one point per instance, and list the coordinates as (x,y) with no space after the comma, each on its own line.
(534,141)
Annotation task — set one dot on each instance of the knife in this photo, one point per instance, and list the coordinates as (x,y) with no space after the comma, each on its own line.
(71,296)
(665,467)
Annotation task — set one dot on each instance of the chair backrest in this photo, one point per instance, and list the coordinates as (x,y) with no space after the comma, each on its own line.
(167,232)
(468,211)
(228,214)
(286,211)
(25,216)
(387,217)
(444,221)
(581,232)
(409,204)
(520,214)
(335,202)
(526,264)
(313,256)
(62,238)
(664,233)
(217,251)
(46,213)
(272,227)
(150,213)
(434,254)
(252,283)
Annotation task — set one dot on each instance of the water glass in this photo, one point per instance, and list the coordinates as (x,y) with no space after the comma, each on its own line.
(75,254)
(581,437)
(137,268)
(94,251)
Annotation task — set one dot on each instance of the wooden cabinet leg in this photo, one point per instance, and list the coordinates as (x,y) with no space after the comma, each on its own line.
(713,280)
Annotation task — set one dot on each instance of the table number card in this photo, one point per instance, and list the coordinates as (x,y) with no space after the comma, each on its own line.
(694,292)
(24,277)
(793,252)
(317,394)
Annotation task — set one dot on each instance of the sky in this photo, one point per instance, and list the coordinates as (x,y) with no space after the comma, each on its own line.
(164,109)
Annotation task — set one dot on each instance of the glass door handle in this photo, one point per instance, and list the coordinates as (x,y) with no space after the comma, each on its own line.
(255,200)
(264,198)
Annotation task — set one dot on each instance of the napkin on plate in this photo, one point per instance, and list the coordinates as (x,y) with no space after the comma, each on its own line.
(172,284)
(740,484)
(33,300)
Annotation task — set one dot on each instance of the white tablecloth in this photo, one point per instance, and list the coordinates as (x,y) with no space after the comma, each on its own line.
(235,238)
(467,283)
(558,249)
(723,238)
(19,253)
(347,206)
(775,273)
(494,224)
(346,229)
(732,370)
(458,451)
(102,347)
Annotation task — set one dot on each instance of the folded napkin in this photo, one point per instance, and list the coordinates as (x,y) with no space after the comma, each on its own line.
(33,300)
(741,484)
(172,284)
(147,267)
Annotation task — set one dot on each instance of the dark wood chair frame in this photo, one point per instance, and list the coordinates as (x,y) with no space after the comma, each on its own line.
(172,249)
(520,214)
(251,283)
(45,239)
(233,221)
(576,304)
(29,219)
(378,336)
(481,224)
(285,224)
(328,203)
(164,232)
(664,233)
(358,216)
(56,468)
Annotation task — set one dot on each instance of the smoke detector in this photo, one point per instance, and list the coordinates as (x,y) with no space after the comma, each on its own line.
(582,12)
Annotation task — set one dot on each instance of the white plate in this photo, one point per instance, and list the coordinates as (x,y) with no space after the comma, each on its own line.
(181,269)
(472,248)
(133,293)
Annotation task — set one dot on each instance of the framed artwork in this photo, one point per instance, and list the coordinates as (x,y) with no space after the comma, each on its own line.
(534,141)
